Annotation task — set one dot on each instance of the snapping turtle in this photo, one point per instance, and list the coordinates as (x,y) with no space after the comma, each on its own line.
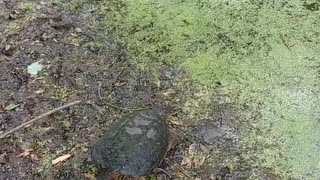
(134,145)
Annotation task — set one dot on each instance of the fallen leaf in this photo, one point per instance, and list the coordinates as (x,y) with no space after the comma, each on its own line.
(198,160)
(169,93)
(196,156)
(89,176)
(25,153)
(28,125)
(175,121)
(39,91)
(60,159)
(34,68)
(118,84)
(11,107)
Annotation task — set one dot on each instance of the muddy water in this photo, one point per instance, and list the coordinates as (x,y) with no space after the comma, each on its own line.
(268,52)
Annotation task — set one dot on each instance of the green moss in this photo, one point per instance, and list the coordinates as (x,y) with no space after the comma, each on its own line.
(166,33)
(265,67)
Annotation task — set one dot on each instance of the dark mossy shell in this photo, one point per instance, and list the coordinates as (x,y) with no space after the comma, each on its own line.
(134,145)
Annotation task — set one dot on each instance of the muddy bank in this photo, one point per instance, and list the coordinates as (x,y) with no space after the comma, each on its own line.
(81,60)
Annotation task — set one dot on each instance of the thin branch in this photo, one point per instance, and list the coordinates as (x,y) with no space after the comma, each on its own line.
(176,165)
(3,135)
(285,42)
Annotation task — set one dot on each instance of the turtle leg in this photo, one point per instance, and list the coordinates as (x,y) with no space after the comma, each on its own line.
(114,175)
(104,174)
(173,139)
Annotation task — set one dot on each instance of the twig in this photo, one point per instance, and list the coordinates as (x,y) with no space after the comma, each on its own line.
(176,165)
(3,135)
(164,171)
(100,110)
(285,42)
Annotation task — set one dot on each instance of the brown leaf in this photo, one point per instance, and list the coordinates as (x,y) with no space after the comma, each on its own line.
(175,121)
(118,84)
(198,161)
(61,158)
(169,93)
(25,153)
(40,91)
(89,176)
(196,156)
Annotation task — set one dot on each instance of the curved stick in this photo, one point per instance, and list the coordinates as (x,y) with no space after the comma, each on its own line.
(3,135)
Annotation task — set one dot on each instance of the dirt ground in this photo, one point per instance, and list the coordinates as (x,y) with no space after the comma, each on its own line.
(82,60)
(79,63)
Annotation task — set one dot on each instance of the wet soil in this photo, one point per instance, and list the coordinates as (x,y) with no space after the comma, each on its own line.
(82,61)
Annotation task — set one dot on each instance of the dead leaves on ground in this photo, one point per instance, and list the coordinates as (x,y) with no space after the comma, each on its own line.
(75,150)
(61,159)
(196,156)
(25,153)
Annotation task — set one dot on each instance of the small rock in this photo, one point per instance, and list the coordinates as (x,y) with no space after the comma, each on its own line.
(78,30)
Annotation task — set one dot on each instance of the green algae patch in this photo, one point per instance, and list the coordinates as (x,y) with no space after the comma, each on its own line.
(163,32)
(278,68)
(264,52)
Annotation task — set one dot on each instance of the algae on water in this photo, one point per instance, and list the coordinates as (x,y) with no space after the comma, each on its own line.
(268,51)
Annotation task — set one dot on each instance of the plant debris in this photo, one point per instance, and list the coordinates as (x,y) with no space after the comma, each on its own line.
(61,159)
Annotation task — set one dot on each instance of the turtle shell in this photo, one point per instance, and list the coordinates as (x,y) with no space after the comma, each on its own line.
(134,145)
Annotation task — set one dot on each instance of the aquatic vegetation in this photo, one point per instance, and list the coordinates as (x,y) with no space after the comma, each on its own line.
(265,51)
